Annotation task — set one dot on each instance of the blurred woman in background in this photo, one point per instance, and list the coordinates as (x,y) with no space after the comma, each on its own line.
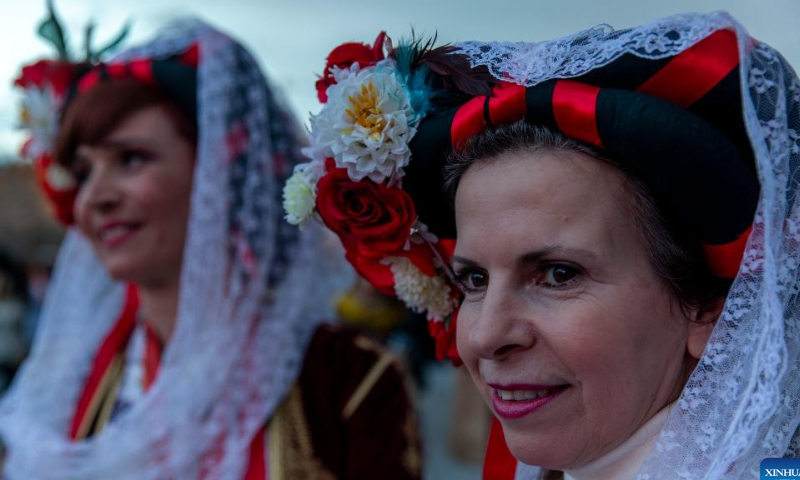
(182,335)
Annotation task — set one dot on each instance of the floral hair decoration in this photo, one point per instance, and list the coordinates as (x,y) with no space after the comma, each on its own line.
(676,123)
(50,84)
(374,100)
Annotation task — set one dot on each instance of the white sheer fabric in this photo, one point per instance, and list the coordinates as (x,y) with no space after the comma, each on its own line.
(237,347)
(742,403)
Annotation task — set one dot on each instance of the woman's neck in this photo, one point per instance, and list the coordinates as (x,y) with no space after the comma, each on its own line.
(159,307)
(624,462)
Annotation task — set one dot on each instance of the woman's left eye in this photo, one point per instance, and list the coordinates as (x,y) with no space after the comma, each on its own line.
(559,275)
(134,157)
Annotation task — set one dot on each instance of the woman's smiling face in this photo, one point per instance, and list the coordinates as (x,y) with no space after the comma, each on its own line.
(568,334)
(133,202)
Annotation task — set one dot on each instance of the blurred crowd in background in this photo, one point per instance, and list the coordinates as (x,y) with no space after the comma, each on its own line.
(29,240)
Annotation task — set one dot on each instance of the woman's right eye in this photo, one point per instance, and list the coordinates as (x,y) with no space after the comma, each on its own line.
(133,157)
(80,174)
(472,280)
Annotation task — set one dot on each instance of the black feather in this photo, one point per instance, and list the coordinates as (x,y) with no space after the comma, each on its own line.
(455,68)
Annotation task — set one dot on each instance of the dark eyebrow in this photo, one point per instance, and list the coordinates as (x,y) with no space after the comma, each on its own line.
(531,257)
(123,143)
(465,261)
(526,258)
(536,255)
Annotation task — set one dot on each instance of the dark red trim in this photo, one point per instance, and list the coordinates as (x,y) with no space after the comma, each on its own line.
(89,80)
(152,356)
(508,104)
(695,71)
(468,121)
(724,260)
(574,108)
(142,70)
(191,57)
(114,342)
(257,467)
(499,464)
(117,70)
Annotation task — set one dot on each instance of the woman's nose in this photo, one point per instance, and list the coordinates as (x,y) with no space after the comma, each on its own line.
(501,327)
(99,192)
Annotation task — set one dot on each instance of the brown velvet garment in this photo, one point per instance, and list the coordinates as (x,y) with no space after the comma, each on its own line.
(357,421)
(347,417)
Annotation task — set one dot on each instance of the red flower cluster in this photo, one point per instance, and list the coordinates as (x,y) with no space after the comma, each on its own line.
(346,55)
(56,73)
(444,334)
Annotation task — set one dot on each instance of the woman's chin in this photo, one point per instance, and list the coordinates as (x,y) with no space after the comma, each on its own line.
(547,451)
(126,270)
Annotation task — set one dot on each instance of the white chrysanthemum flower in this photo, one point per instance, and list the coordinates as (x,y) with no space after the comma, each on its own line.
(300,193)
(367,123)
(419,291)
(39,115)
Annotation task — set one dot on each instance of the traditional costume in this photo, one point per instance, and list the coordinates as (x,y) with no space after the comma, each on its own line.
(705,115)
(251,384)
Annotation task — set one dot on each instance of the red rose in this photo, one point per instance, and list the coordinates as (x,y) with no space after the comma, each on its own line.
(371,218)
(374,222)
(344,56)
(56,73)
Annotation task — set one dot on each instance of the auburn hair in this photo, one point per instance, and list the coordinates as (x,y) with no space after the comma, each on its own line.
(93,115)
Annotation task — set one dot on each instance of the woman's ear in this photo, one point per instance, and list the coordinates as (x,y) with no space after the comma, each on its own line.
(701,326)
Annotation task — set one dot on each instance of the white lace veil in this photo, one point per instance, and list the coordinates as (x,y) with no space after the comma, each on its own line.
(742,403)
(237,347)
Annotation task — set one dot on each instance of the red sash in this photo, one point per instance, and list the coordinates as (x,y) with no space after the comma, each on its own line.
(499,464)
(106,373)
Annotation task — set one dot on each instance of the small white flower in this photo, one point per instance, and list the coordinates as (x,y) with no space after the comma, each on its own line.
(419,291)
(59,178)
(39,115)
(367,123)
(300,194)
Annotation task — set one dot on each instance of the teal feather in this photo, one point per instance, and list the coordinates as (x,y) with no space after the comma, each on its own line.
(415,76)
(438,78)
(421,91)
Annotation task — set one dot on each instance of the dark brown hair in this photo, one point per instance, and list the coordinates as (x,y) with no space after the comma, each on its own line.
(94,114)
(676,256)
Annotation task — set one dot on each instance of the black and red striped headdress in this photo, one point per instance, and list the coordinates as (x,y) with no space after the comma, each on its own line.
(675,122)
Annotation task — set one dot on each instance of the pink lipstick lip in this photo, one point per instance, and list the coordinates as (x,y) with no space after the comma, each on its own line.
(510,409)
(118,239)
(522,386)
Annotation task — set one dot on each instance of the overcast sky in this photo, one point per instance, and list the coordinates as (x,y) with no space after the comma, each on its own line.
(292,38)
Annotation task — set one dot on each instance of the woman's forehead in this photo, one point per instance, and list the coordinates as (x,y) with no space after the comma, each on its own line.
(542,200)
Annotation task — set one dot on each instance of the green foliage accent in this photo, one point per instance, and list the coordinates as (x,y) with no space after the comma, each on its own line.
(113,44)
(87,39)
(50,29)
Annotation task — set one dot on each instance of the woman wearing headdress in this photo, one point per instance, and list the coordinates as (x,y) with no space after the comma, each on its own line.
(626,275)
(182,336)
